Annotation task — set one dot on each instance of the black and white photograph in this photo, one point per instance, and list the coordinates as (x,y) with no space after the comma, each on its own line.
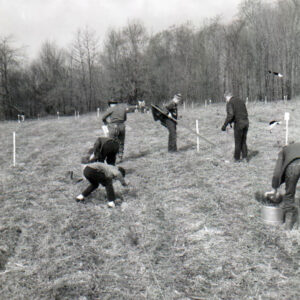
(149,150)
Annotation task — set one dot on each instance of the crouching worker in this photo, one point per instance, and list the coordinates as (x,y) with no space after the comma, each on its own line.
(100,173)
(105,149)
(287,169)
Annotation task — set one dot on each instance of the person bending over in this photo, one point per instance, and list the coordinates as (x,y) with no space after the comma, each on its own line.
(100,173)
(287,170)
(105,149)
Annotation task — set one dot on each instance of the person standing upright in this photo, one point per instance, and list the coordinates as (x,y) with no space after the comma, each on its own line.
(172,112)
(237,114)
(115,118)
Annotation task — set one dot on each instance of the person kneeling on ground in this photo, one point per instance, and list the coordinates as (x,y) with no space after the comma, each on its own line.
(100,173)
(287,169)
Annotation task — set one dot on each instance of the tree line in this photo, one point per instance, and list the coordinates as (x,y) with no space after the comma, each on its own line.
(130,65)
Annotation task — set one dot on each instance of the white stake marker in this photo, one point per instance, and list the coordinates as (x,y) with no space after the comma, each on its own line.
(286,118)
(198,141)
(98,112)
(14,148)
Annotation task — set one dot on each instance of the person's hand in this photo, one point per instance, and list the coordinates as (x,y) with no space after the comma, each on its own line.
(273,192)
(126,182)
(223,128)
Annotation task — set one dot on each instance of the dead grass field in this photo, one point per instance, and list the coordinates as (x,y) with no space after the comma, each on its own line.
(189,226)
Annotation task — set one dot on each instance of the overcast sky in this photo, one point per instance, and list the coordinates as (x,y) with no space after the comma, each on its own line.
(32,22)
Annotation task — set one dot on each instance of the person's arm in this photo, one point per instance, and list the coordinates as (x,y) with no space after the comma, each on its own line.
(230,115)
(96,149)
(106,115)
(277,171)
(121,179)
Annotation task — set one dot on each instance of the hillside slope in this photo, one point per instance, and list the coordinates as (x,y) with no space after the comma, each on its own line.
(189,226)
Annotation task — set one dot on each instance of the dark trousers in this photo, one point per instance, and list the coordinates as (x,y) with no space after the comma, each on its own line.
(240,140)
(292,175)
(96,177)
(117,132)
(172,143)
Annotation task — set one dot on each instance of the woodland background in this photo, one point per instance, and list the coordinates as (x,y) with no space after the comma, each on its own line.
(131,64)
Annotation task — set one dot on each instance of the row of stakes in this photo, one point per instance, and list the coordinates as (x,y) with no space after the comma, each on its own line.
(105,130)
(21,117)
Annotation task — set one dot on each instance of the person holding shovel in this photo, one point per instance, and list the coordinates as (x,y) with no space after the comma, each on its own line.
(170,123)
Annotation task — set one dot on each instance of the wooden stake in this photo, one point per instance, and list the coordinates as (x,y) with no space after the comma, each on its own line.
(198,141)
(14,148)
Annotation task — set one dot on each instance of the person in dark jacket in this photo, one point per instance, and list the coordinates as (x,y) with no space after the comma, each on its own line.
(287,170)
(172,112)
(100,173)
(105,149)
(237,114)
(115,118)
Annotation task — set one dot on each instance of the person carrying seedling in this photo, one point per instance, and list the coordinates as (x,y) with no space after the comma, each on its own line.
(237,114)
(100,173)
(115,118)
(287,169)
(172,112)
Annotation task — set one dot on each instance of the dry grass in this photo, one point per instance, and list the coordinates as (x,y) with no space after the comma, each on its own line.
(189,227)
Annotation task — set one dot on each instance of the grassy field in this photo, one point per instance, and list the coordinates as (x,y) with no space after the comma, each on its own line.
(188,228)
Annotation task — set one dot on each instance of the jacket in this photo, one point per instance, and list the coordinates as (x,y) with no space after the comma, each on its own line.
(288,154)
(103,147)
(171,107)
(117,114)
(236,112)
(111,172)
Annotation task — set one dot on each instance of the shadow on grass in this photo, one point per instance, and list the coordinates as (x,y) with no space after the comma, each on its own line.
(137,155)
(251,154)
(187,147)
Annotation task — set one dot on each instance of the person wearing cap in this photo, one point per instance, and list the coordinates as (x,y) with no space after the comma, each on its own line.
(171,123)
(100,173)
(105,149)
(287,170)
(115,118)
(237,114)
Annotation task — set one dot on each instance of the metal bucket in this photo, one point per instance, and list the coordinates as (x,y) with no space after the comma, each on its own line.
(272,215)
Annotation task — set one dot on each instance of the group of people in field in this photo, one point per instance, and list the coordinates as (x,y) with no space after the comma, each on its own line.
(99,167)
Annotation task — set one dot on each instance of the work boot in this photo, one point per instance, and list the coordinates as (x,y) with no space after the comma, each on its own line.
(80,198)
(111,204)
(290,217)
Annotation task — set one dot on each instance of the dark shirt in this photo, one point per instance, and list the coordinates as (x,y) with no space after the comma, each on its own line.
(117,114)
(288,154)
(236,112)
(104,147)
